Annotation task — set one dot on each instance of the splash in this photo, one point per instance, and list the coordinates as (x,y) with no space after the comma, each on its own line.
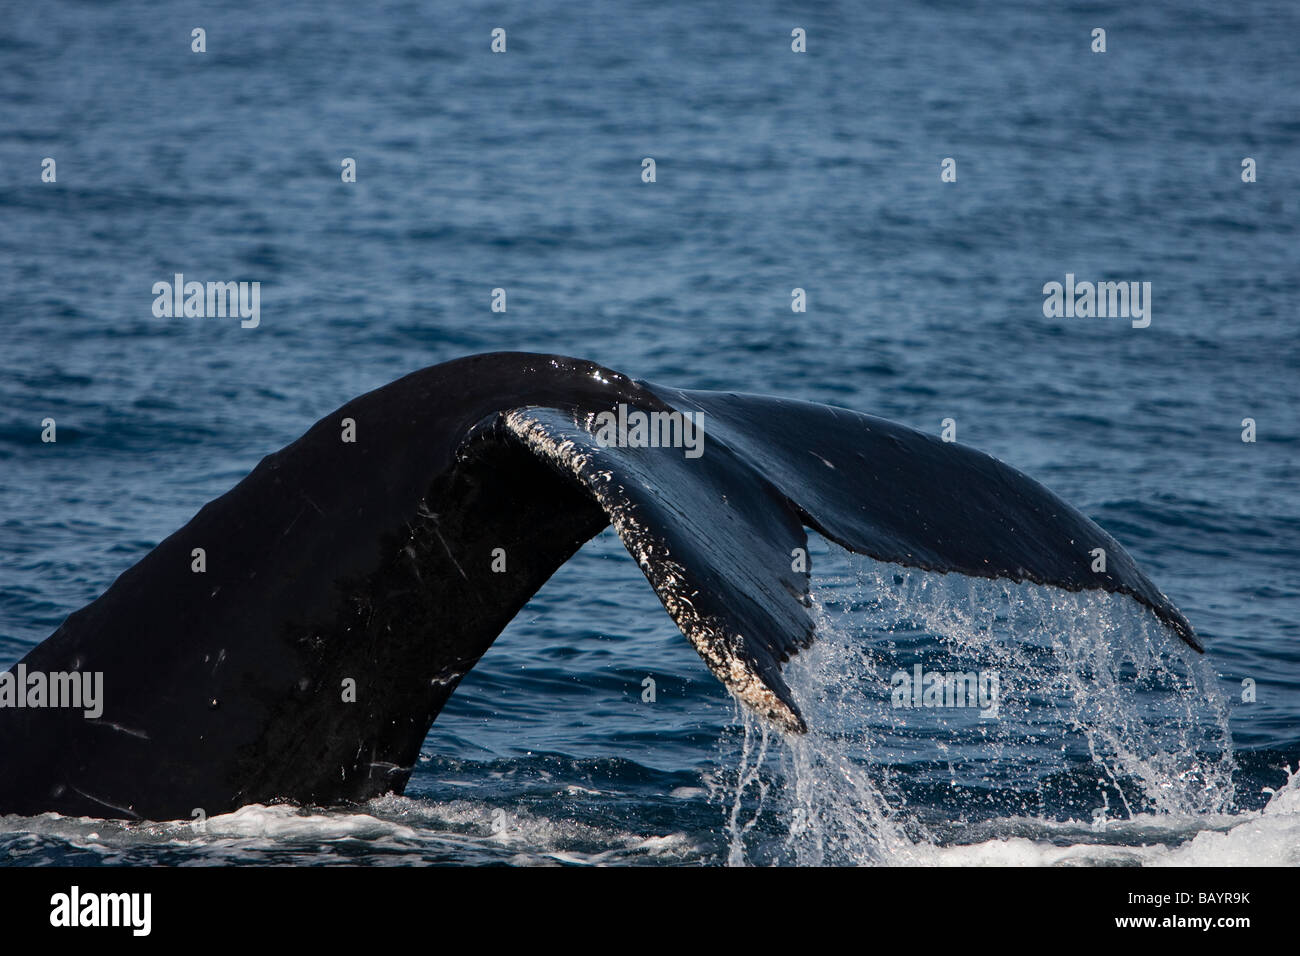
(753,751)
(1101,719)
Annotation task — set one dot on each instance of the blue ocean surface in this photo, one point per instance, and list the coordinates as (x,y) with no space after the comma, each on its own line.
(774,171)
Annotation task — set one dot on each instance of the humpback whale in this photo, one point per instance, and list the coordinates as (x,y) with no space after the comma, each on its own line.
(354,577)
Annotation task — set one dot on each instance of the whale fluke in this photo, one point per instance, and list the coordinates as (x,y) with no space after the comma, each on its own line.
(389,564)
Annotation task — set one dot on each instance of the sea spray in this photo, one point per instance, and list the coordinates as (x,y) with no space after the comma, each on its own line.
(749,774)
(841,808)
(1102,717)
(1091,667)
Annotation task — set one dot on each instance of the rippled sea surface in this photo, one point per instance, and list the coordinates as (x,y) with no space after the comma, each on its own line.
(774,170)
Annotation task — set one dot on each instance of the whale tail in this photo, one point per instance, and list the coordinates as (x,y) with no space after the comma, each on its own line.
(354,577)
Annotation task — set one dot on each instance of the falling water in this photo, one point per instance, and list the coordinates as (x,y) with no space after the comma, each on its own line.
(1102,718)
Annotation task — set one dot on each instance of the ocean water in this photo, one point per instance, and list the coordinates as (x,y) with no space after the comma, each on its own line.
(774,171)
